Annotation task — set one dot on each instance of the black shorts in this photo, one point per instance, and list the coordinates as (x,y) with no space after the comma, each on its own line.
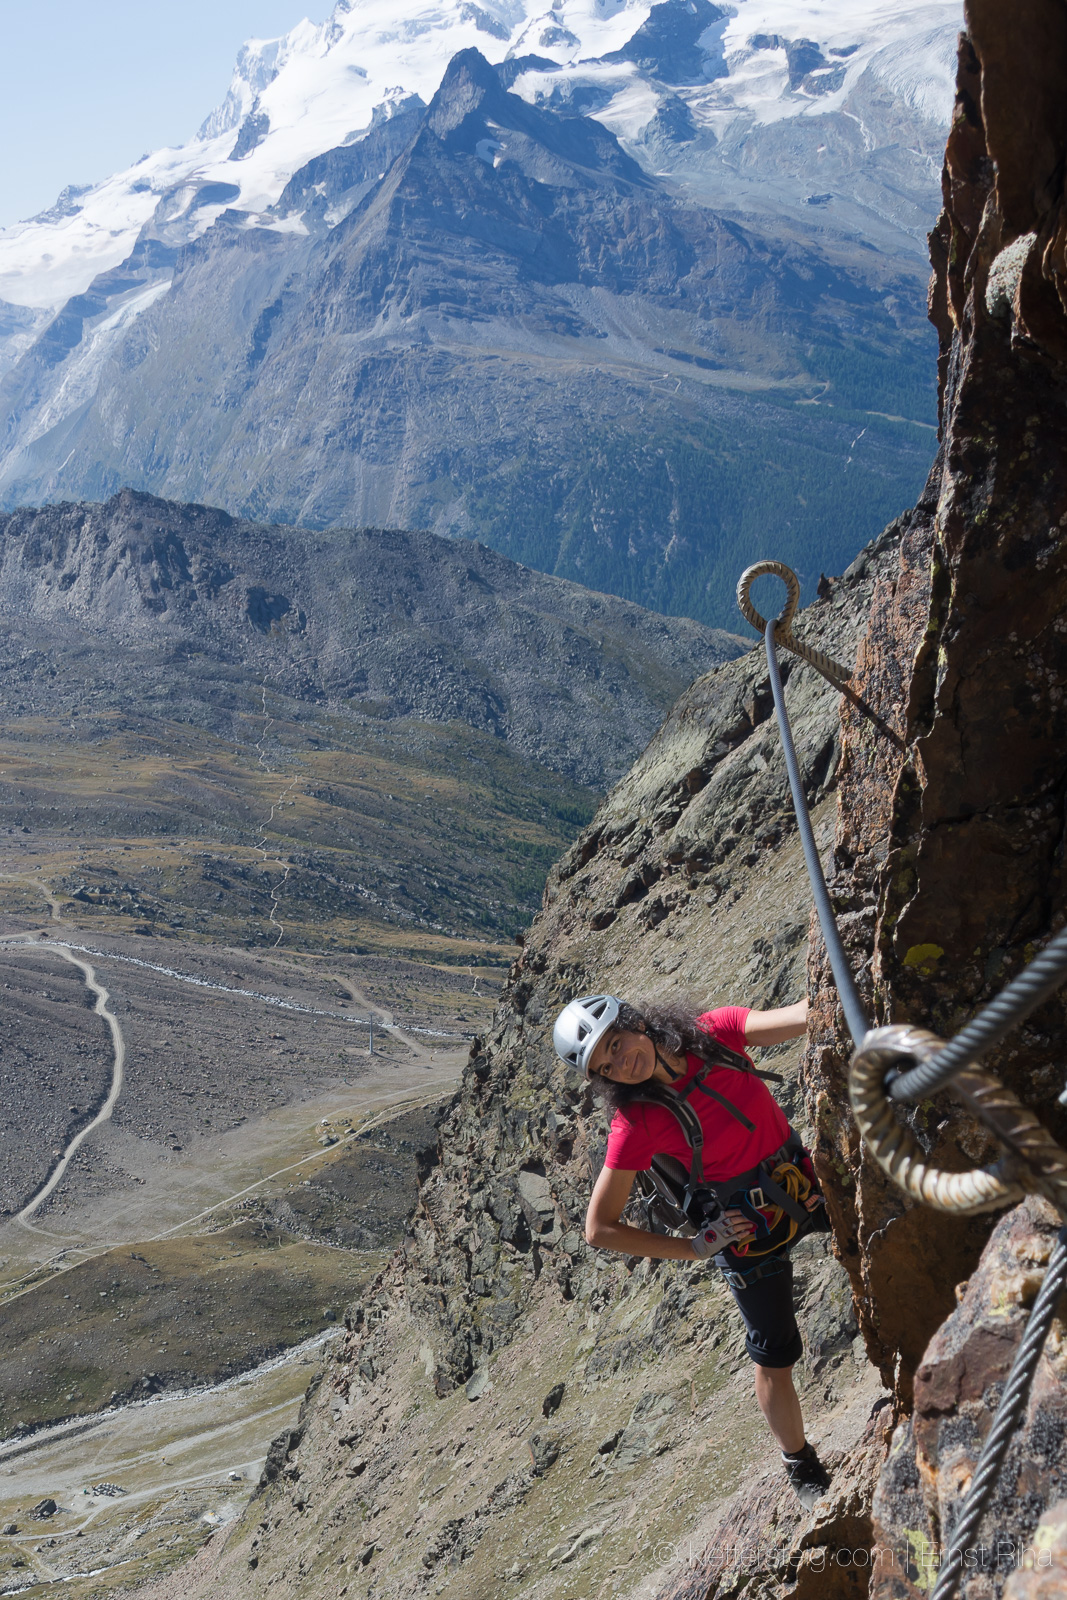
(773,1338)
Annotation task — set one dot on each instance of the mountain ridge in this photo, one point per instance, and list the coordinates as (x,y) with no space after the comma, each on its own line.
(410,623)
(487,377)
(386,736)
(418,352)
(322,86)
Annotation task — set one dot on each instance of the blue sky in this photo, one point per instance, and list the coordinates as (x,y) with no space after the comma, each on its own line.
(86,88)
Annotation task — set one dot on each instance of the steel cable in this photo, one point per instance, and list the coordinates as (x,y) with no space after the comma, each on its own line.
(846,987)
(1008,1414)
(985,1096)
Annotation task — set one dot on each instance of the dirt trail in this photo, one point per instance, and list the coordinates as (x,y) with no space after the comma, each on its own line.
(55,905)
(276,806)
(101,1009)
(285,1002)
(386,1017)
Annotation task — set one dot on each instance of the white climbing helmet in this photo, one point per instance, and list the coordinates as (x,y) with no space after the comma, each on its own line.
(581,1025)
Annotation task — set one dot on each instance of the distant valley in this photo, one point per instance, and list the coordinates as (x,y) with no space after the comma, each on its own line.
(391,728)
(274,805)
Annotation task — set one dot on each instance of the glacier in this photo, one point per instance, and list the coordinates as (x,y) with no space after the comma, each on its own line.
(321,86)
(681,244)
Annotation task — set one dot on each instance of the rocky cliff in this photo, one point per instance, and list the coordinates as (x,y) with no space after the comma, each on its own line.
(952,861)
(511,1413)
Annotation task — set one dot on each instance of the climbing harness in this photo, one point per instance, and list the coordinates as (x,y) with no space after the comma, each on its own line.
(902,1063)
(778,1202)
(766,1269)
(770,1194)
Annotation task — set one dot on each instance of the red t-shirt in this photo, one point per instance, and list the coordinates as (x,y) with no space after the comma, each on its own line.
(639,1132)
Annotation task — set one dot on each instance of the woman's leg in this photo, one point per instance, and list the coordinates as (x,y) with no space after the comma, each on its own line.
(774,1345)
(780,1404)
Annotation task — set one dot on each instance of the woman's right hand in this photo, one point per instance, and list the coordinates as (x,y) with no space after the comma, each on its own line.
(731,1229)
(605,1230)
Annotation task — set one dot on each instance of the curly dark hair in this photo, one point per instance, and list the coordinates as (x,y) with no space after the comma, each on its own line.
(671,1027)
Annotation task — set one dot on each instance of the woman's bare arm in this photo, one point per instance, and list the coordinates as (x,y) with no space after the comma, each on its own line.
(604,1230)
(775,1027)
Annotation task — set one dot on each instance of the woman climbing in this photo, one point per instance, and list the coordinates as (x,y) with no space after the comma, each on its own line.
(690,1108)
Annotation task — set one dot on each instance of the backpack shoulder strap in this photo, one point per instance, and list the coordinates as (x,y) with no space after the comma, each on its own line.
(733,1058)
(677,1103)
(713,1094)
(656,1095)
(728,1057)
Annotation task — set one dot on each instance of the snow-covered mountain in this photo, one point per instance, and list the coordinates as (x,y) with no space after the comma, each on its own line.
(610,286)
(758,79)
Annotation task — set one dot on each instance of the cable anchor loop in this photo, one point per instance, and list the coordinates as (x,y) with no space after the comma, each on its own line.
(832,670)
(1034,1164)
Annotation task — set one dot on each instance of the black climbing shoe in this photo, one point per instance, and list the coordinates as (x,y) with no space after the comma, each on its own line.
(807,1475)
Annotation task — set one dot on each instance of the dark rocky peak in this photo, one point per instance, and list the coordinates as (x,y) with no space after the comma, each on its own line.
(445,161)
(494,203)
(804,56)
(674,43)
(513,67)
(109,566)
(809,69)
(495,196)
(472,109)
(470,87)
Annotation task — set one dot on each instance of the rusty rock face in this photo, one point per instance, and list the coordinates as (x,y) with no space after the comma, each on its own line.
(957,1386)
(948,862)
